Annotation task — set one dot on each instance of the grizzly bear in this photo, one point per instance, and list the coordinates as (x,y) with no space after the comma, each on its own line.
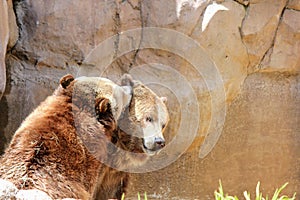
(73,146)
(145,119)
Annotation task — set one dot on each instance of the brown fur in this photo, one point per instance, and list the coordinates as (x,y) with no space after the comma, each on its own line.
(115,182)
(47,152)
(59,148)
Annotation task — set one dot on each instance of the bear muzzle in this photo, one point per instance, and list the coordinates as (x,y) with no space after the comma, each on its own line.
(154,145)
(159,143)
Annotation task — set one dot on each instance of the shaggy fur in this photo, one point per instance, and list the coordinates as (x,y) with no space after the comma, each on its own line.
(115,182)
(47,154)
(61,146)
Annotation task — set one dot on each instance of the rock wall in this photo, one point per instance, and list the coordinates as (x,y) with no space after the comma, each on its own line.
(3,43)
(254,45)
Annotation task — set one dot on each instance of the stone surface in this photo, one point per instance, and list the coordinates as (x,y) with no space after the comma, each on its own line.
(244,2)
(294,4)
(259,30)
(56,37)
(222,41)
(7,190)
(260,142)
(286,51)
(32,195)
(12,24)
(4,35)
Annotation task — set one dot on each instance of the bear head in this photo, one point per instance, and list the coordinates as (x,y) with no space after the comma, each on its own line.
(140,116)
(146,116)
(89,89)
(97,103)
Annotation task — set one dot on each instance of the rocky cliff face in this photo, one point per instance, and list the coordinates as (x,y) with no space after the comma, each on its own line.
(246,68)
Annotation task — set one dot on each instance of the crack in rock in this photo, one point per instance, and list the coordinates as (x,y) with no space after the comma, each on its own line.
(133,6)
(243,2)
(117,29)
(241,32)
(142,34)
(267,55)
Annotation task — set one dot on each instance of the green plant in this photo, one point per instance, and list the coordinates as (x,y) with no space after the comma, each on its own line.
(139,196)
(219,195)
(145,196)
(123,196)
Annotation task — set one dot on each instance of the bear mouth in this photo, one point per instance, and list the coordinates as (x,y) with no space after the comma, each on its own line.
(148,151)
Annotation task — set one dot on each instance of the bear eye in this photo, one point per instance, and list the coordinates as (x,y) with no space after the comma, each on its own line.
(149,119)
(163,126)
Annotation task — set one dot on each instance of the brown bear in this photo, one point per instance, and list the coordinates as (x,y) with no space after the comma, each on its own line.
(61,146)
(145,119)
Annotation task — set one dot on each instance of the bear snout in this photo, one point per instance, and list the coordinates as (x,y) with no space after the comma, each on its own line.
(153,144)
(159,143)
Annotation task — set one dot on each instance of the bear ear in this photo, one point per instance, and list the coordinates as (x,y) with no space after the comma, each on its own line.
(102,105)
(164,99)
(66,80)
(126,80)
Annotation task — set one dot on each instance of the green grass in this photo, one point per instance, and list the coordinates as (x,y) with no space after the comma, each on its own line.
(139,196)
(220,195)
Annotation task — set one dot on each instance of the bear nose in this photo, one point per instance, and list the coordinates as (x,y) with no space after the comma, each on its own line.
(159,143)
